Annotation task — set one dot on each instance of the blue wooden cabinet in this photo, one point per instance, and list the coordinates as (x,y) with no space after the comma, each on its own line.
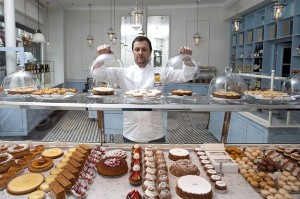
(244,130)
(261,31)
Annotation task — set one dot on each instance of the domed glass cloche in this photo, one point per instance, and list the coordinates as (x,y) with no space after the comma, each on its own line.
(228,85)
(291,86)
(186,62)
(20,82)
(103,61)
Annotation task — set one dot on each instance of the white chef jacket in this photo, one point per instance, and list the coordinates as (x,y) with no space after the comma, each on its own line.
(142,126)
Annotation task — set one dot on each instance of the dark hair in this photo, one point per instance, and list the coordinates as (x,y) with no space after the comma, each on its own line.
(142,38)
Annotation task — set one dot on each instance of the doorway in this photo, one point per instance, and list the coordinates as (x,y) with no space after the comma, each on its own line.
(282,61)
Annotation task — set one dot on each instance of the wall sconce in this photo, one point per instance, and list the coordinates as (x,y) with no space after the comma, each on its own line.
(38,37)
(197,36)
(90,37)
(110,31)
(237,21)
(136,16)
(279,10)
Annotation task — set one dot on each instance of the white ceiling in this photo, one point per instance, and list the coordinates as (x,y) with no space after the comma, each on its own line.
(83,4)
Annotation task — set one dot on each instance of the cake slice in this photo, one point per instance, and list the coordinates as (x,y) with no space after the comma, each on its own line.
(69,176)
(57,191)
(66,184)
(86,147)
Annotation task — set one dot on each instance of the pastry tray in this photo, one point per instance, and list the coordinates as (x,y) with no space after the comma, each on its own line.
(53,97)
(275,101)
(119,187)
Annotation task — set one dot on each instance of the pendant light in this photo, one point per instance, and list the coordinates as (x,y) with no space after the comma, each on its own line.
(237,21)
(48,41)
(26,35)
(279,10)
(197,36)
(38,37)
(90,37)
(110,31)
(136,16)
(114,39)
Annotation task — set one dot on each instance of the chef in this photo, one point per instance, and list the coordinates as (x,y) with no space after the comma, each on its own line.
(143,126)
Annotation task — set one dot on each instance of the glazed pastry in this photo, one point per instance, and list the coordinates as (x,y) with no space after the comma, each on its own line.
(41,165)
(19,150)
(6,161)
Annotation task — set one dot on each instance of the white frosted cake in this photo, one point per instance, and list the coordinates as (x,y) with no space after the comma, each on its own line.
(178,153)
(192,186)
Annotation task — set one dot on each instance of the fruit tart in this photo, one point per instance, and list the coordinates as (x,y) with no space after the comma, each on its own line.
(134,194)
(135,178)
(41,165)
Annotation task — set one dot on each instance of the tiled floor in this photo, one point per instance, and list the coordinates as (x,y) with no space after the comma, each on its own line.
(75,126)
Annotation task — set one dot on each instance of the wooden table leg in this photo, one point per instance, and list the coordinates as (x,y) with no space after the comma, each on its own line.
(225,128)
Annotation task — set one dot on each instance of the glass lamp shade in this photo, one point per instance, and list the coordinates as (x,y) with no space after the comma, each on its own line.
(110,33)
(237,24)
(26,34)
(114,39)
(183,60)
(197,38)
(279,10)
(136,17)
(38,37)
(90,40)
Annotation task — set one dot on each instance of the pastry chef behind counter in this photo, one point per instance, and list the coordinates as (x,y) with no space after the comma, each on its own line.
(143,126)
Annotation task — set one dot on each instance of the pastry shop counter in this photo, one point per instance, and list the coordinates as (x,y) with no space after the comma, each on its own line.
(119,187)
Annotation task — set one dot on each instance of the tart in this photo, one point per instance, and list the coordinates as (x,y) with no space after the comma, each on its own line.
(41,165)
(29,156)
(36,152)
(134,194)
(226,94)
(6,161)
(3,148)
(16,168)
(181,92)
(25,183)
(52,153)
(135,179)
(103,91)
(21,90)
(112,166)
(40,147)
(38,194)
(178,153)
(19,150)
(23,162)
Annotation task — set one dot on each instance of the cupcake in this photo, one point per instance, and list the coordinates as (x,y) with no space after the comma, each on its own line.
(163,186)
(165,194)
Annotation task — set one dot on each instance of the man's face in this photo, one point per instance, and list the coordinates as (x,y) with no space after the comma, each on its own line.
(141,53)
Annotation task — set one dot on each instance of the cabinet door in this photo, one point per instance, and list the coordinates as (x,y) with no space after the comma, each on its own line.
(216,123)
(255,134)
(113,122)
(236,132)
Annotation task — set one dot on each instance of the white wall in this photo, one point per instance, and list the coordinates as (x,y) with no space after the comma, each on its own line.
(182,27)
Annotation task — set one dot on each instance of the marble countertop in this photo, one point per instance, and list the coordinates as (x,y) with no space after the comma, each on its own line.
(119,187)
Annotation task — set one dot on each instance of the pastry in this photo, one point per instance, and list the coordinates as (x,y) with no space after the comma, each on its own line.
(3,182)
(103,91)
(52,153)
(192,186)
(116,153)
(165,194)
(41,165)
(151,192)
(6,161)
(39,147)
(29,156)
(38,194)
(181,92)
(69,176)
(3,148)
(134,194)
(184,167)
(64,182)
(75,164)
(55,171)
(17,168)
(23,162)
(72,169)
(57,191)
(112,166)
(21,90)
(19,150)
(44,187)
(135,179)
(220,186)
(25,183)
(36,152)
(178,153)
(82,150)
(50,178)
(226,94)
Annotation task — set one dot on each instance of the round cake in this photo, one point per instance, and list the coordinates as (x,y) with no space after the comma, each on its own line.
(52,153)
(178,153)
(103,91)
(226,94)
(220,186)
(184,167)
(195,187)
(6,161)
(112,166)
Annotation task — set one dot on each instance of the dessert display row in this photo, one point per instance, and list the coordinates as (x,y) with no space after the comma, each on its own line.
(139,172)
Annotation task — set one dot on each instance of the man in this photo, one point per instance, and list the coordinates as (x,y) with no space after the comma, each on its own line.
(143,126)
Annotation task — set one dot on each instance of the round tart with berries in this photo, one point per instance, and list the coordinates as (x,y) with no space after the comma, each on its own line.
(112,166)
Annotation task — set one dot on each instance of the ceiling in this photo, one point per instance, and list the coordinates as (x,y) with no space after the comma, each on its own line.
(82,4)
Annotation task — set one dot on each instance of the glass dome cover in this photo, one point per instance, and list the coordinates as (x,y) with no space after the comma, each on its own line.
(226,83)
(104,61)
(20,82)
(291,85)
(184,60)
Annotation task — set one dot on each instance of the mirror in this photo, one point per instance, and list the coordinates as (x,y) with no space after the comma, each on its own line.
(158,28)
